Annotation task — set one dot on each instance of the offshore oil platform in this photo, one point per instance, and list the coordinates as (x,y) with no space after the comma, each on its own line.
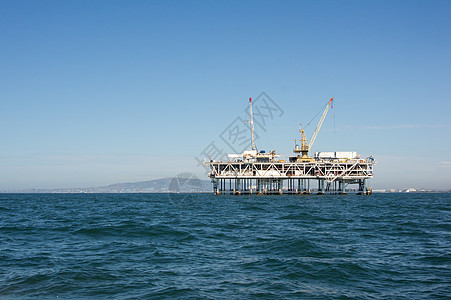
(256,172)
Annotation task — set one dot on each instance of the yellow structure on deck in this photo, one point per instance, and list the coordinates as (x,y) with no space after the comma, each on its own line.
(306,147)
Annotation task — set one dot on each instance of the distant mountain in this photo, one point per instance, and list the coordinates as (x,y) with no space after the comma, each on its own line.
(183,184)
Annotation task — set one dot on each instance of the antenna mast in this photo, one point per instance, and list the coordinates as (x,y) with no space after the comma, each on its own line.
(252,124)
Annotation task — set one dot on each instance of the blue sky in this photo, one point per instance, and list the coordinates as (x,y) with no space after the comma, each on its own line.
(99,92)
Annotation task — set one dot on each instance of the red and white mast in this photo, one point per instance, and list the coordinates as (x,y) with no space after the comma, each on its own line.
(252,124)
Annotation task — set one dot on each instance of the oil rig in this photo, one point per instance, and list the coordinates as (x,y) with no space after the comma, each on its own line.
(256,172)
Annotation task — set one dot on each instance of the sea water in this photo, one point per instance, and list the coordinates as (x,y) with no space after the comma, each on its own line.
(132,246)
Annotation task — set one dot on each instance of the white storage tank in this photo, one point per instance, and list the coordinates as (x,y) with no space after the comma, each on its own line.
(345,155)
(325,155)
(336,155)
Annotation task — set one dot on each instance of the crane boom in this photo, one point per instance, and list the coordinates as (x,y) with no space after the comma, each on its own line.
(320,123)
(306,147)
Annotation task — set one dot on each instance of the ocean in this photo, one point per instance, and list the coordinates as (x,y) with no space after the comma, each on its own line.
(191,246)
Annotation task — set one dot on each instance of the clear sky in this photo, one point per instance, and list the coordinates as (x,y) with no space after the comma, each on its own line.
(100,92)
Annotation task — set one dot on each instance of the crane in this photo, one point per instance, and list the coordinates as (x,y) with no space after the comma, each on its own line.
(305,147)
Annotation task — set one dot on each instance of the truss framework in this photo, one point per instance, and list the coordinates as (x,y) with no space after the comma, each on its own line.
(246,177)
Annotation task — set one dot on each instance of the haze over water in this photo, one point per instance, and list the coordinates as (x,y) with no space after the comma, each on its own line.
(203,246)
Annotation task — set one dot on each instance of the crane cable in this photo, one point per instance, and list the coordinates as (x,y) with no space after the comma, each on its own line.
(322,109)
(334,118)
(269,140)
